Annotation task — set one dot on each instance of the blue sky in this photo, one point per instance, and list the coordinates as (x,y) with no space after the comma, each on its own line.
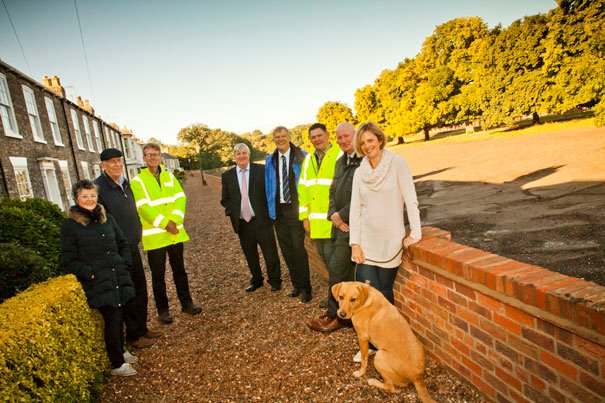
(159,66)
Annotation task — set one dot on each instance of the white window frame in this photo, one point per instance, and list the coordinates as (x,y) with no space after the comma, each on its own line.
(85,169)
(51,185)
(54,122)
(108,137)
(95,127)
(91,146)
(7,112)
(76,123)
(66,181)
(20,167)
(32,114)
(96,170)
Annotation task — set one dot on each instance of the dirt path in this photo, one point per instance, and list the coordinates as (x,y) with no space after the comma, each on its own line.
(251,347)
(536,198)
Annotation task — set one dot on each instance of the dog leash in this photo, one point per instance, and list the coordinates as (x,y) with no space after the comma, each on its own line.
(387,261)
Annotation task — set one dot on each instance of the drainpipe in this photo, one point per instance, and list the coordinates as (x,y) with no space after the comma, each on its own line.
(4,183)
(71,144)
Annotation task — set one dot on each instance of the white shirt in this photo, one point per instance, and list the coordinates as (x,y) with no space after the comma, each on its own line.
(279,168)
(239,180)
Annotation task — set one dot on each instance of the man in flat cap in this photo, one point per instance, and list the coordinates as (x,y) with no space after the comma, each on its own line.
(116,196)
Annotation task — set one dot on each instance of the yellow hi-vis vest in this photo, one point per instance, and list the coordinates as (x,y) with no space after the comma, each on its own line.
(157,205)
(314,192)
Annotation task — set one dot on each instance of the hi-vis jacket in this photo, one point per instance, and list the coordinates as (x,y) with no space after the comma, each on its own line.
(314,192)
(157,205)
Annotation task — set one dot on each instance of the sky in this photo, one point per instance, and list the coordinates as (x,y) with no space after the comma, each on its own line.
(156,67)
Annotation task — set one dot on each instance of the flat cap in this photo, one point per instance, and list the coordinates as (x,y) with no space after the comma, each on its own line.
(110,153)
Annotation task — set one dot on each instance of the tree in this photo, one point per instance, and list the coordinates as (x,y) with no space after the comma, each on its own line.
(333,113)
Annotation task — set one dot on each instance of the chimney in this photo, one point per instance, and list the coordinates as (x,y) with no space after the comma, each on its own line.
(54,84)
(88,107)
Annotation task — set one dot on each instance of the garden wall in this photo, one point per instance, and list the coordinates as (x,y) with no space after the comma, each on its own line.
(517,332)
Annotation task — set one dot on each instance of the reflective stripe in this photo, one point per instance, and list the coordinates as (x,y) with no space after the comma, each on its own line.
(141,202)
(324,181)
(302,209)
(318,216)
(157,202)
(179,195)
(178,212)
(155,231)
(158,220)
(311,182)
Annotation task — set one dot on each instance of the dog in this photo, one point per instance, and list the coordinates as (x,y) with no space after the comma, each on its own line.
(400,356)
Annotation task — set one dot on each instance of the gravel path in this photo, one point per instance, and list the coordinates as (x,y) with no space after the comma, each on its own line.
(251,347)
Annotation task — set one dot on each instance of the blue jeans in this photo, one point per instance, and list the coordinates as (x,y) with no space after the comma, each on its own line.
(382,279)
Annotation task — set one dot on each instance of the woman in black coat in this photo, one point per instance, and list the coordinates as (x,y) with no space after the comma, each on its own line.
(95,250)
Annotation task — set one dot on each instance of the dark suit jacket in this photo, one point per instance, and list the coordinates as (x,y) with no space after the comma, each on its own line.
(231,198)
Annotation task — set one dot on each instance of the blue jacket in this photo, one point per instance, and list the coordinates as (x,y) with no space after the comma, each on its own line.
(297,156)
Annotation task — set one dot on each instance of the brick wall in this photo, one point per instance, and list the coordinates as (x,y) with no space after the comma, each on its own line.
(517,332)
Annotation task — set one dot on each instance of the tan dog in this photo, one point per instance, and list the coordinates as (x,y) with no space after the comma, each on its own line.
(400,356)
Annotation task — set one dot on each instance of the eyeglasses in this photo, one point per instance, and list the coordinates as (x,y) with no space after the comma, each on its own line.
(152,155)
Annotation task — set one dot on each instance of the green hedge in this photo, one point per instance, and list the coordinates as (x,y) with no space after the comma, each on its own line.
(20,267)
(51,344)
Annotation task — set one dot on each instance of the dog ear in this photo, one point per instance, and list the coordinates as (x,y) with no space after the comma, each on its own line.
(364,292)
(336,290)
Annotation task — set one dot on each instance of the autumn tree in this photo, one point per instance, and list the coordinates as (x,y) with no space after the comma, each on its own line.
(333,113)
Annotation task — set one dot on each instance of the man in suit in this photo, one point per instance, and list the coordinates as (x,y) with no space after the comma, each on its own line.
(282,173)
(243,197)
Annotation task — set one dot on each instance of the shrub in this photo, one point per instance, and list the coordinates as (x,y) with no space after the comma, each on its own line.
(180,175)
(51,344)
(20,267)
(45,209)
(599,113)
(31,230)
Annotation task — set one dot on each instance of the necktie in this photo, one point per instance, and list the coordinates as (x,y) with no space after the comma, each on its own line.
(284,178)
(246,215)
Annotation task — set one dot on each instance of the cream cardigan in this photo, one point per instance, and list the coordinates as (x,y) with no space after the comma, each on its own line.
(377,207)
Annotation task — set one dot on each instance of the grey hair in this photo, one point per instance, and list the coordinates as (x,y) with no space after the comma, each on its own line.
(81,185)
(239,146)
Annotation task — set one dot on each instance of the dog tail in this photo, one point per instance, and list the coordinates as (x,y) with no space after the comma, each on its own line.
(422,391)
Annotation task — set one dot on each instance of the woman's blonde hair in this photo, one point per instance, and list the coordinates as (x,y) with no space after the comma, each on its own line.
(372,128)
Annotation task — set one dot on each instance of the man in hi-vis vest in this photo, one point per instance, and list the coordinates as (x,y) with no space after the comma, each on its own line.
(161,206)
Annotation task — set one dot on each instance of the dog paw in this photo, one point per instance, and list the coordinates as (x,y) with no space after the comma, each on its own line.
(358,374)
(373,382)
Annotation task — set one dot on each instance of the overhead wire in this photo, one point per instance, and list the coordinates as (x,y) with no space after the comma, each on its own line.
(84,49)
(17,36)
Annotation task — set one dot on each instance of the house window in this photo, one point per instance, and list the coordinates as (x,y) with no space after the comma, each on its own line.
(24,184)
(107,137)
(6,110)
(76,123)
(66,181)
(95,126)
(32,112)
(85,169)
(91,146)
(96,170)
(51,186)
(54,122)
(127,148)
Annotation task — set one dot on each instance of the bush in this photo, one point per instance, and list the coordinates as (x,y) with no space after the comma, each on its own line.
(181,176)
(599,113)
(31,230)
(20,267)
(51,345)
(45,209)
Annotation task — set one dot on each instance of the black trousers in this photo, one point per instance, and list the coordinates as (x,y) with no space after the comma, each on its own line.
(291,238)
(135,312)
(113,335)
(340,268)
(260,233)
(157,264)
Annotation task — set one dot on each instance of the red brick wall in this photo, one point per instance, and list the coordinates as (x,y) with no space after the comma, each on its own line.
(517,332)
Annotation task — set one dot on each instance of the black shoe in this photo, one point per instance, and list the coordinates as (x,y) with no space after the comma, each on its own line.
(294,293)
(191,310)
(305,297)
(275,288)
(323,304)
(252,288)
(165,318)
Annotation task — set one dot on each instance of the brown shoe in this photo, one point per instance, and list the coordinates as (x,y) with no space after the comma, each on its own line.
(324,324)
(191,309)
(153,334)
(142,342)
(165,318)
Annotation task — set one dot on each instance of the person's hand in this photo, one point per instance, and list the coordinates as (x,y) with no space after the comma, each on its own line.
(336,220)
(357,254)
(344,227)
(407,241)
(171,227)
(307,225)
